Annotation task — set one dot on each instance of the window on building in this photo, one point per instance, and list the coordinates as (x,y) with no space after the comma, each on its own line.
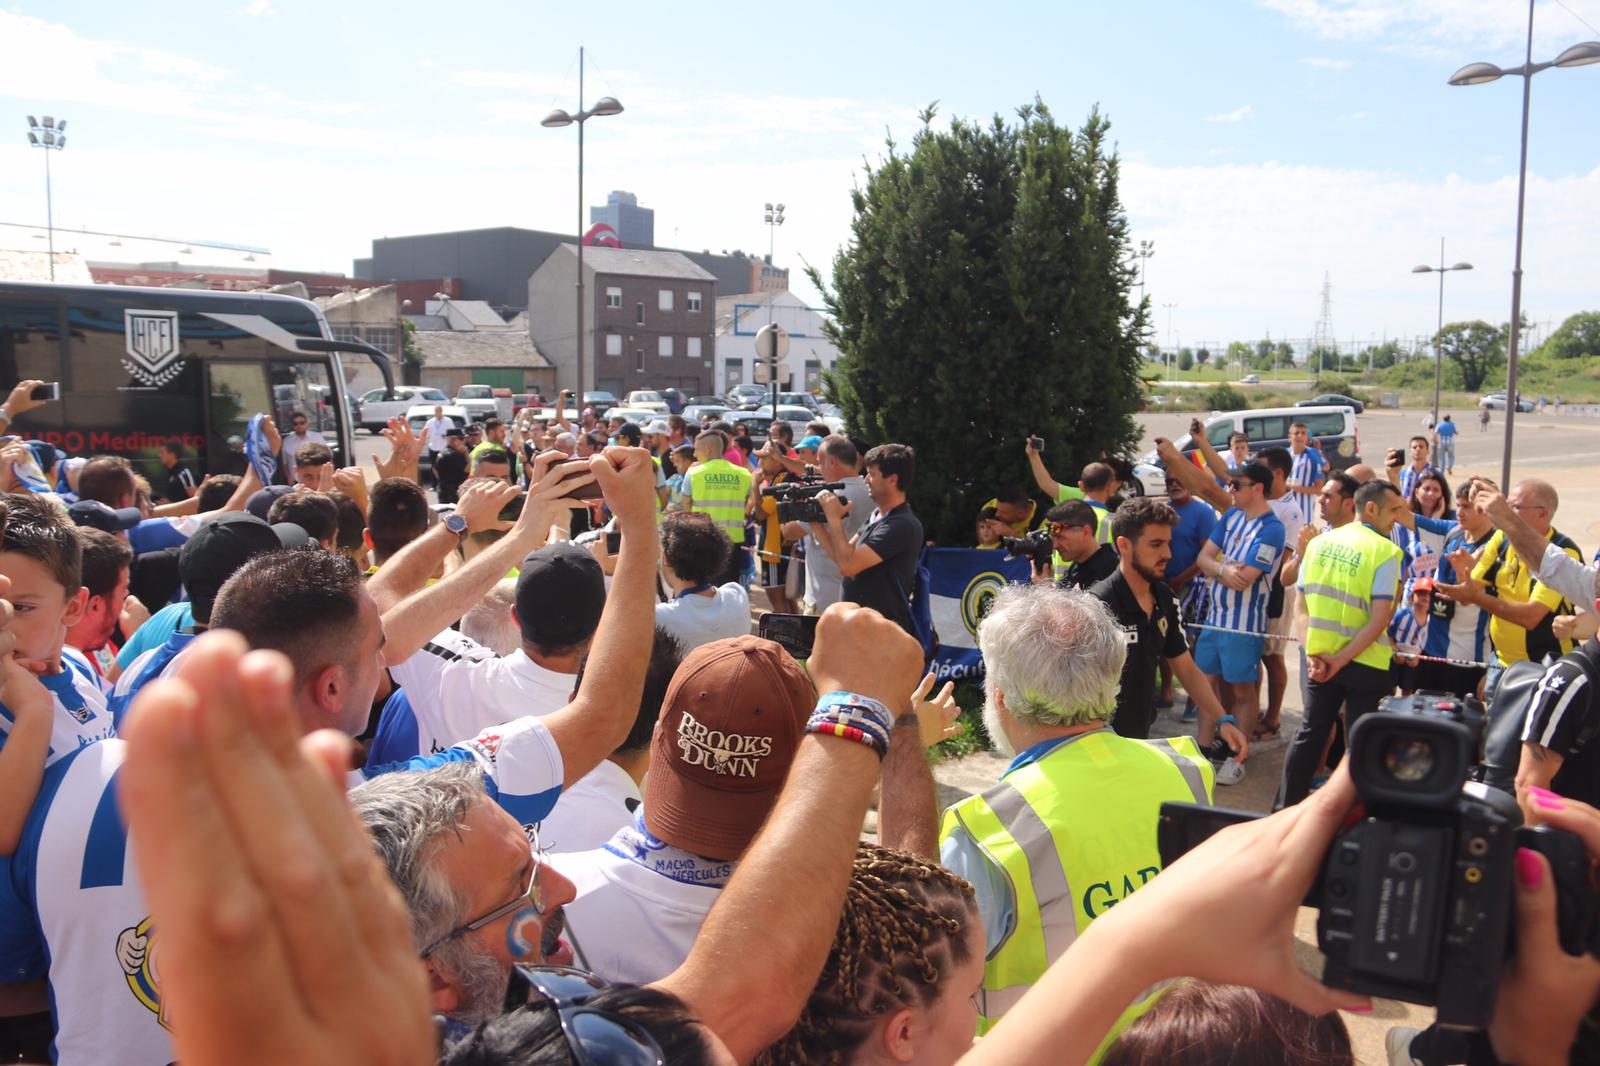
(638,360)
(694,301)
(344,332)
(381,338)
(638,313)
(664,345)
(732,372)
(613,344)
(664,299)
(613,297)
(813,375)
(692,347)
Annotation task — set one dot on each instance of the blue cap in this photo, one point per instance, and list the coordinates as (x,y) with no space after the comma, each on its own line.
(813,442)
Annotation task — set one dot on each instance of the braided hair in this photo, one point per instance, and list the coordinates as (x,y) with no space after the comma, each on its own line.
(904,929)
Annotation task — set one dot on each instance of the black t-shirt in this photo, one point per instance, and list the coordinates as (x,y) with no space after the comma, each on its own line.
(1564,717)
(450,467)
(1150,638)
(180,484)
(886,587)
(1099,566)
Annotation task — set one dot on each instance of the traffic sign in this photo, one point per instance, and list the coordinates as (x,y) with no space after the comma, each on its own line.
(772,343)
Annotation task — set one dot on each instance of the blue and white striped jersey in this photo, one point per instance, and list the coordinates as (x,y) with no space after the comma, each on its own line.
(1409,475)
(81,714)
(157,662)
(1256,542)
(1458,630)
(1309,468)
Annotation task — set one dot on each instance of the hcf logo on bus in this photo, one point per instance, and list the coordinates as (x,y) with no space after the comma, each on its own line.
(152,342)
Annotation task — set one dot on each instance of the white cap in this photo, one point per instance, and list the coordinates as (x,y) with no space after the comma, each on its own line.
(658,427)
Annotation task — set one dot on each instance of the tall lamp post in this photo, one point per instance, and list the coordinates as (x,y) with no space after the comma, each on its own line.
(51,136)
(1438,361)
(606,105)
(1146,250)
(1479,74)
(1171,355)
(773,216)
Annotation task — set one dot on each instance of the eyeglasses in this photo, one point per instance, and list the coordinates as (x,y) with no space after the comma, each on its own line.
(596,1037)
(1057,529)
(532,894)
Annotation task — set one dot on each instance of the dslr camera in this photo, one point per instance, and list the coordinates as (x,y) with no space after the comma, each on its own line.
(797,500)
(1415,897)
(1035,547)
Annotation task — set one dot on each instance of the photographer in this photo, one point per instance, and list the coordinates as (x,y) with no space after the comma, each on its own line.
(878,564)
(836,461)
(1082,559)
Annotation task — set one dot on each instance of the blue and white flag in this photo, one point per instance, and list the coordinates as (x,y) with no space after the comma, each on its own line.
(962,583)
(259,451)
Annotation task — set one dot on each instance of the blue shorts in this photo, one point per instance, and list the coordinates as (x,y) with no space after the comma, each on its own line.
(1234,657)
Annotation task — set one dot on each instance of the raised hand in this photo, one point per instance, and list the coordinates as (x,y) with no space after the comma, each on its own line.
(936,714)
(404,447)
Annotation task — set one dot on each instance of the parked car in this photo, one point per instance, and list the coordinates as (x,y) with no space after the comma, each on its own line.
(374,411)
(696,412)
(831,414)
(1333,429)
(1334,399)
(519,400)
(478,400)
(800,399)
(755,424)
(747,394)
(600,400)
(1496,401)
(639,416)
(648,400)
(794,414)
(1250,379)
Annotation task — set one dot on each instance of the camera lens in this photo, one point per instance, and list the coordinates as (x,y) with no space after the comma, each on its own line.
(1408,759)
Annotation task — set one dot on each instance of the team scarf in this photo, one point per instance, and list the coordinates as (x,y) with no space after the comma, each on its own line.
(258,451)
(636,844)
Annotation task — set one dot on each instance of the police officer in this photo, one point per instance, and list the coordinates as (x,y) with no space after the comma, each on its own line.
(720,489)
(1348,581)
(1071,827)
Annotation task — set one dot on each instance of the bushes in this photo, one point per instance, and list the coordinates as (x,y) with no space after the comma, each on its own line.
(1226,398)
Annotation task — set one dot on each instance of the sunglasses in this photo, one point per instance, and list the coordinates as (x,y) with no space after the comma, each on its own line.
(531,895)
(1240,486)
(596,1037)
(1057,529)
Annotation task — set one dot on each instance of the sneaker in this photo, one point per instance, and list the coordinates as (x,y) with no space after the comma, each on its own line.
(1230,772)
(1190,712)
(1397,1043)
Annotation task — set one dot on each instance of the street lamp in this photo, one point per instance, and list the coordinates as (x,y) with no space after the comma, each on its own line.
(1480,74)
(1146,250)
(606,105)
(1170,352)
(51,136)
(1438,361)
(773,216)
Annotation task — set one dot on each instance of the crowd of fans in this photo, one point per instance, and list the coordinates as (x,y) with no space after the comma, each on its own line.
(330,771)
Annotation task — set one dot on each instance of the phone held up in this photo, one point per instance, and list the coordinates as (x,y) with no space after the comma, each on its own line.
(50,390)
(794,633)
(1037,443)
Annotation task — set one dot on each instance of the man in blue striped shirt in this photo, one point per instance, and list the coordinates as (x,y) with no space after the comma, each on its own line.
(1309,472)
(1240,558)
(1406,477)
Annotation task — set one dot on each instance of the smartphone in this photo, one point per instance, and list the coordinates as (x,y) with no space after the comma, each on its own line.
(1037,443)
(613,541)
(1395,458)
(50,390)
(1181,827)
(513,510)
(591,491)
(794,633)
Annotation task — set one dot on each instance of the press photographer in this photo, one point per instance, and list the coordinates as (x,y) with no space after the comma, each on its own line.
(836,464)
(1080,557)
(878,564)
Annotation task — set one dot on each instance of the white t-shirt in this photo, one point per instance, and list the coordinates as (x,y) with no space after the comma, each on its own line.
(697,619)
(629,923)
(435,428)
(292,443)
(824,582)
(591,811)
(1287,508)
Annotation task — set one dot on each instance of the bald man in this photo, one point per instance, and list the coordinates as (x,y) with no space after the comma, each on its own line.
(1362,473)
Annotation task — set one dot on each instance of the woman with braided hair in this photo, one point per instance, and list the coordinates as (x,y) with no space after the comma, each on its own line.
(901,977)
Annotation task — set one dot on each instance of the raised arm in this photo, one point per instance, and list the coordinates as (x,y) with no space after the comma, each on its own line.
(793,907)
(408,570)
(1194,479)
(908,807)
(1041,477)
(1197,433)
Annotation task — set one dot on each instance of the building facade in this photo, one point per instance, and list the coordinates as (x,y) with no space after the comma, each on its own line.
(634,226)
(647,319)
(741,316)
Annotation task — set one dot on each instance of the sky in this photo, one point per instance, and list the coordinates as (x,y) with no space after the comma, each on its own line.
(1265,144)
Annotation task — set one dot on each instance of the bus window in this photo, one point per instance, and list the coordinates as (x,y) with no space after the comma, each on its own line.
(30,343)
(305,387)
(238,391)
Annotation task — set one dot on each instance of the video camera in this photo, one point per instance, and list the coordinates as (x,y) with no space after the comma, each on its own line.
(1035,547)
(1415,898)
(797,500)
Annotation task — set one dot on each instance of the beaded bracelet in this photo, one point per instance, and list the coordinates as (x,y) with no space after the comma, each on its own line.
(852,716)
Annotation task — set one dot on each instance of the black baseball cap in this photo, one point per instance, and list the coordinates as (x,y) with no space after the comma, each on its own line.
(97,515)
(1257,472)
(560,594)
(260,503)
(456,431)
(222,546)
(630,432)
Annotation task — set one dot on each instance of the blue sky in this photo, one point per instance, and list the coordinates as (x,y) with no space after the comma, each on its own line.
(1264,142)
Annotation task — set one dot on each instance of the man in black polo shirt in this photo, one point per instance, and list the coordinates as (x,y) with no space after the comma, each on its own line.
(1145,608)
(1080,558)
(878,564)
(1559,752)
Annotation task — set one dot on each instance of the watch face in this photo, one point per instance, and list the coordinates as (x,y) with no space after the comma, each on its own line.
(455,524)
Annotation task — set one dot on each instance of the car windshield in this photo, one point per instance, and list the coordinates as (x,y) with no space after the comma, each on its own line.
(432,394)
(474,392)
(643,396)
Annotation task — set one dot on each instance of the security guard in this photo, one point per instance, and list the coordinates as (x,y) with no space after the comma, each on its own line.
(720,489)
(1070,830)
(1348,579)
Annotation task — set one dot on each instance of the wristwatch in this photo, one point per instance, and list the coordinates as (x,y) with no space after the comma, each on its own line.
(457,525)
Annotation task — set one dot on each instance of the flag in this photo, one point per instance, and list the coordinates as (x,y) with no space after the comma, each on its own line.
(258,451)
(962,583)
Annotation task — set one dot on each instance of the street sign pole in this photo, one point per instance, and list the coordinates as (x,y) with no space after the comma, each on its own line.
(772,345)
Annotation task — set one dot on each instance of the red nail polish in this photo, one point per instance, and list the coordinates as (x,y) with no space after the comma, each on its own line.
(1529,870)
(1360,1010)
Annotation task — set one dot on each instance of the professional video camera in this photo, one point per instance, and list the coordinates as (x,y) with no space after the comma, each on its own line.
(797,500)
(1416,897)
(1035,547)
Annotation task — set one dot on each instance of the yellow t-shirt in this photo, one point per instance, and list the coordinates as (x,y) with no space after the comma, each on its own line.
(1510,579)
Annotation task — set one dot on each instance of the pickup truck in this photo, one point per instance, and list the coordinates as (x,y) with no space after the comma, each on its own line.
(478,401)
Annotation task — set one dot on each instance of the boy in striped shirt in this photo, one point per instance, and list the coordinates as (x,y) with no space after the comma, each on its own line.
(1240,557)
(1309,472)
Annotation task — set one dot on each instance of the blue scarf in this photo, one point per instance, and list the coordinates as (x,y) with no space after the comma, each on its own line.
(257,451)
(636,844)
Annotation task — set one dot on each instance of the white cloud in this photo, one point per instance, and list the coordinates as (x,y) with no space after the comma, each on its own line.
(1238,114)
(1354,116)
(1435,29)
(257,8)
(1324,63)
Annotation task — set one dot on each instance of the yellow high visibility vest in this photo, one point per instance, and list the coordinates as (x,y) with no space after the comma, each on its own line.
(721,490)
(1336,583)
(1076,829)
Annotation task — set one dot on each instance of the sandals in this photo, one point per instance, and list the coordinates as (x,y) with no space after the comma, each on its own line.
(1263,730)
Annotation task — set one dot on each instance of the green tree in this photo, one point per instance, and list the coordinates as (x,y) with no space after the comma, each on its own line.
(1202,356)
(1578,336)
(987,281)
(1476,348)
(1185,360)
(1383,355)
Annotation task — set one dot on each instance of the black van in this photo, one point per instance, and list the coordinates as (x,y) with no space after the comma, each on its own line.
(139,367)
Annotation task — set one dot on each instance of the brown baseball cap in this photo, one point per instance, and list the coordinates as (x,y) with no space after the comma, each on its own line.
(732,720)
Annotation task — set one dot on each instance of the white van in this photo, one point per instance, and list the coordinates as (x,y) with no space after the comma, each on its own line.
(1333,429)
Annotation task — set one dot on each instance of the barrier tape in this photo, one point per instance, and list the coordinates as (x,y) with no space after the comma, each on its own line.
(1401,651)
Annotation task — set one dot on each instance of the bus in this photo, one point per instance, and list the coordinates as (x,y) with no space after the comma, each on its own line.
(142,367)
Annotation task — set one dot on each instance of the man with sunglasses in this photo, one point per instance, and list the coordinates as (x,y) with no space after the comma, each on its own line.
(1074,533)
(299,436)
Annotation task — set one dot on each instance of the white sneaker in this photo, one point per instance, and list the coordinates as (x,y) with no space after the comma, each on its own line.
(1397,1043)
(1230,772)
